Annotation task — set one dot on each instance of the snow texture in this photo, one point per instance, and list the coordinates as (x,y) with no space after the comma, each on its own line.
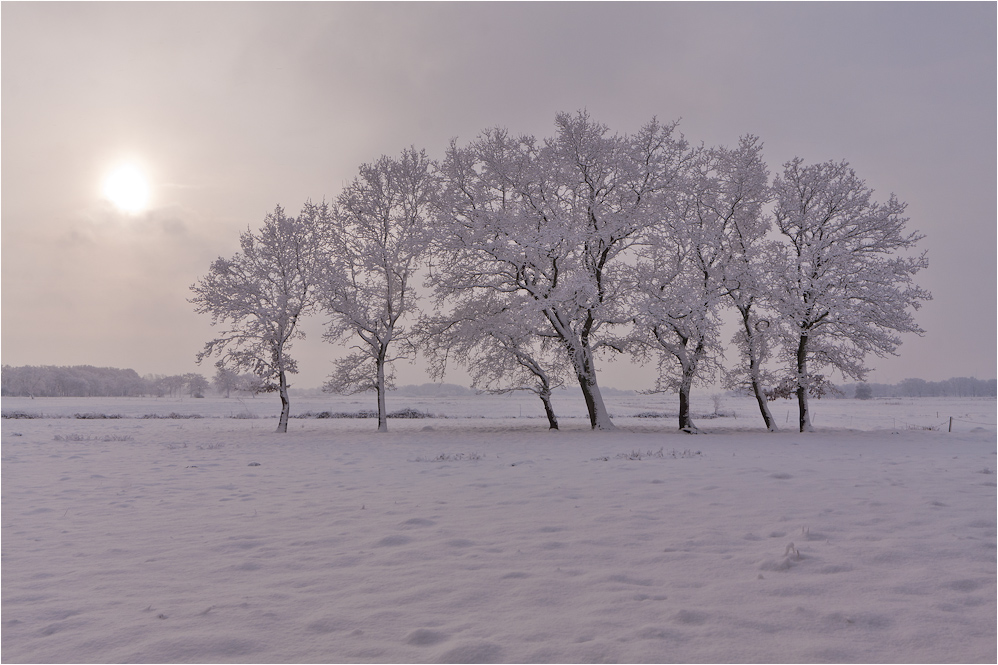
(495,540)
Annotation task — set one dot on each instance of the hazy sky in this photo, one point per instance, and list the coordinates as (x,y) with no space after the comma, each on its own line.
(232,108)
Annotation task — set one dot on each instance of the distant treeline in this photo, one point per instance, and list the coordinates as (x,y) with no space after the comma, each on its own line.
(955,387)
(89,381)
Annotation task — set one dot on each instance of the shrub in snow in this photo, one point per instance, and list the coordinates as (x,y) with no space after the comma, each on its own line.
(456,457)
(409,413)
(20,415)
(173,415)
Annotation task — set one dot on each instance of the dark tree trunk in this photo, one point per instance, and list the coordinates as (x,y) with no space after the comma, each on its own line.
(685,417)
(802,380)
(282,425)
(545,396)
(760,397)
(754,369)
(382,408)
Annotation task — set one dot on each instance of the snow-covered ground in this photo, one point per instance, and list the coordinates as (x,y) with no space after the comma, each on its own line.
(471,539)
(741,412)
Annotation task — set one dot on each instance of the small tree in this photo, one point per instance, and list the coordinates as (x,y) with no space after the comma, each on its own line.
(842,292)
(225,380)
(262,293)
(376,237)
(196,384)
(171,384)
(864,391)
(913,388)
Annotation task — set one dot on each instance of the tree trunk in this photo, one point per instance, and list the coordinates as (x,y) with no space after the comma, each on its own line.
(545,396)
(802,377)
(382,409)
(599,418)
(581,357)
(760,397)
(754,362)
(585,371)
(805,415)
(685,418)
(282,424)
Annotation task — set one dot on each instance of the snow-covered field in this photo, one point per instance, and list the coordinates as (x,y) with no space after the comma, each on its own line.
(893,413)
(471,539)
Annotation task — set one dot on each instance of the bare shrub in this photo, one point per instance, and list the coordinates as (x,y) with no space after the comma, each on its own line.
(172,416)
(456,457)
(20,415)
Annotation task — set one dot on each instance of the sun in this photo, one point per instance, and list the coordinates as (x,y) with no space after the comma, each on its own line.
(127,188)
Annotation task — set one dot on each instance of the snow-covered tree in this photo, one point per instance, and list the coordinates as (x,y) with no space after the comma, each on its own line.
(501,348)
(171,384)
(842,290)
(552,221)
(196,384)
(262,293)
(755,335)
(376,239)
(225,380)
(677,282)
(741,192)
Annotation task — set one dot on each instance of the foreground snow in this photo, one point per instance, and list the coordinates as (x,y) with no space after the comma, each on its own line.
(483,540)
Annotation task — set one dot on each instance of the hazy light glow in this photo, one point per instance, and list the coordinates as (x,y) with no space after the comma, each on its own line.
(127,188)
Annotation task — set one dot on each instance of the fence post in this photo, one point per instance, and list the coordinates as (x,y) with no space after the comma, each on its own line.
(951,423)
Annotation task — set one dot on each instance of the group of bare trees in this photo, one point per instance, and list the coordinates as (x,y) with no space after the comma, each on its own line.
(541,256)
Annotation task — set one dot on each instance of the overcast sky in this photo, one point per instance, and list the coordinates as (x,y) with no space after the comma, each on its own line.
(232,108)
